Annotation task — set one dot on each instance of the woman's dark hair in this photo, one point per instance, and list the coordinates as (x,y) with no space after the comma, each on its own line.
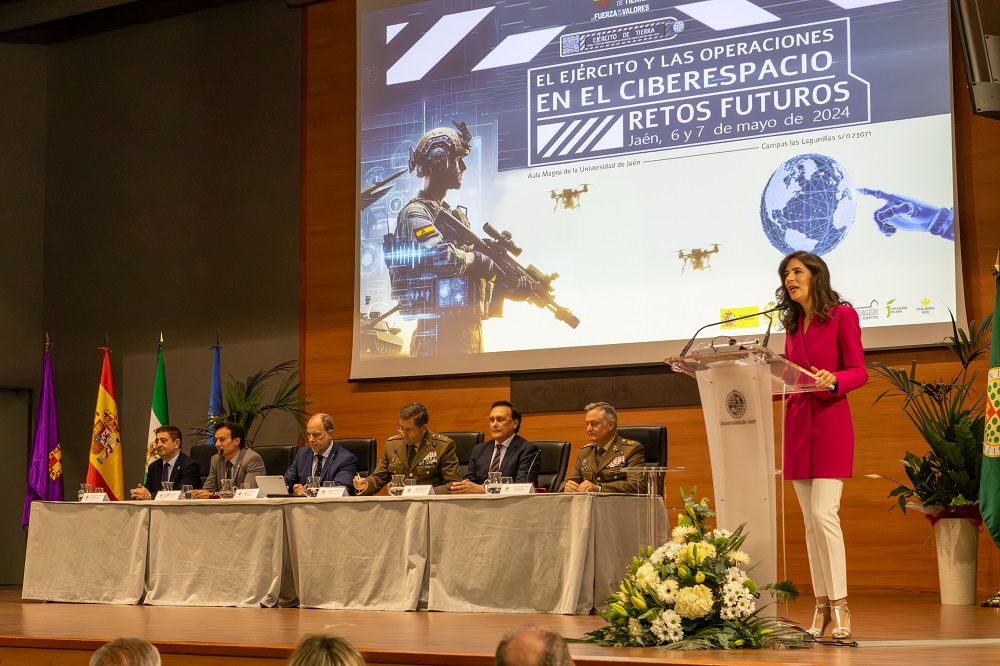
(824,298)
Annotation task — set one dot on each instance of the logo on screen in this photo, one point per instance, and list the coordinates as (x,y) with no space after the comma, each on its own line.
(736,404)
(869,311)
(601,4)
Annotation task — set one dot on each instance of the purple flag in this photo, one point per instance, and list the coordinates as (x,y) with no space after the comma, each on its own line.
(45,478)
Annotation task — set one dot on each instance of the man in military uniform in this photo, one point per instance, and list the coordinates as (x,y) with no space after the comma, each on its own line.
(417,453)
(446,288)
(601,463)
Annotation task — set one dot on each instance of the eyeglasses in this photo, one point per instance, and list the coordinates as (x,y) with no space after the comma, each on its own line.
(408,431)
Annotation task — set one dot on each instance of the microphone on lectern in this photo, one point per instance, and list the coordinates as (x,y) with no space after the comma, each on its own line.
(687,347)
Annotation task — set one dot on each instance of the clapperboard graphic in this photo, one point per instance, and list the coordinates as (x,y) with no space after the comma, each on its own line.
(601,121)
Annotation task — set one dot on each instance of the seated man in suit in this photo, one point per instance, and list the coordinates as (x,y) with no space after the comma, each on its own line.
(172,465)
(601,463)
(323,458)
(416,453)
(507,453)
(233,461)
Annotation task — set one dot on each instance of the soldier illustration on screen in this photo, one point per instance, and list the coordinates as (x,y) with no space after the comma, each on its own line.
(444,286)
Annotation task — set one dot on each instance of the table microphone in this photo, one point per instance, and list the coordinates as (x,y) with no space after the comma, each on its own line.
(532,464)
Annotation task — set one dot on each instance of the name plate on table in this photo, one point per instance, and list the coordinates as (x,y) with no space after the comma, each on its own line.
(165,495)
(336,491)
(517,489)
(95,497)
(247,493)
(418,490)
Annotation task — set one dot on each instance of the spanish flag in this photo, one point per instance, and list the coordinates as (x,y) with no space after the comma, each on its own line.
(105,468)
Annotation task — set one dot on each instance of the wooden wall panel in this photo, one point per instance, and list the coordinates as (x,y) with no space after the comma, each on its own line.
(886,551)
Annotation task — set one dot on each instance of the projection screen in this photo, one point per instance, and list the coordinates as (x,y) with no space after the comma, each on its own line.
(643,167)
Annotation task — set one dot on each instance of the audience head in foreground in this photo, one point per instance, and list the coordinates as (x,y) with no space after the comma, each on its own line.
(319,650)
(530,645)
(126,652)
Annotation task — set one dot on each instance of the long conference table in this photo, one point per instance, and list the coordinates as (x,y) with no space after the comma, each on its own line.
(545,553)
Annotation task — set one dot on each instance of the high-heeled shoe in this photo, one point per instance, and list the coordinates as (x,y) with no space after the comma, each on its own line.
(819,618)
(842,629)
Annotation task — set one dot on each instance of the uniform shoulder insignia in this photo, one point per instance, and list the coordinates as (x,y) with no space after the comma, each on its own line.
(441,438)
(424,230)
(630,442)
(394,438)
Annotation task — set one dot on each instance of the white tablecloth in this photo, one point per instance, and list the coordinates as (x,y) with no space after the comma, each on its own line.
(361,553)
(86,552)
(214,553)
(547,553)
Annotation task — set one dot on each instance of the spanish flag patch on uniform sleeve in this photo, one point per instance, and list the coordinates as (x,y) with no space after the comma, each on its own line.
(425,230)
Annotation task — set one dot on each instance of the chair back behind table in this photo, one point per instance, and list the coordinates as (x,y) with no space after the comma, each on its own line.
(653,439)
(553,463)
(202,454)
(277,459)
(364,449)
(465,441)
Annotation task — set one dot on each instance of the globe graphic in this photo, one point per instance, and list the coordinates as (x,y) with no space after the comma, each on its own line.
(808,204)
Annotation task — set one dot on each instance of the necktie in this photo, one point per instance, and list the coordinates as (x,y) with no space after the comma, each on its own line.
(166,472)
(495,465)
(229,471)
(599,456)
(411,452)
(318,470)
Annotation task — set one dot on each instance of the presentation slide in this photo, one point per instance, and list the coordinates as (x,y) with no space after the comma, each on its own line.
(581,183)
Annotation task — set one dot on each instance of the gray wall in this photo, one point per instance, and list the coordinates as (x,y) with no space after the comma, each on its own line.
(22,212)
(172,173)
(167,157)
(22,217)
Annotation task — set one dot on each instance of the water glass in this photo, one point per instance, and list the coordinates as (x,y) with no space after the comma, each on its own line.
(396,485)
(167,486)
(186,491)
(227,490)
(84,489)
(312,486)
(409,482)
(504,480)
(329,484)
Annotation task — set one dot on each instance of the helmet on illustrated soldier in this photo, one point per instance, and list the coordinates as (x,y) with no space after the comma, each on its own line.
(439,149)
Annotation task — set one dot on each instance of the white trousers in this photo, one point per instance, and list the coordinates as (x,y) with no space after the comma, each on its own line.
(820,502)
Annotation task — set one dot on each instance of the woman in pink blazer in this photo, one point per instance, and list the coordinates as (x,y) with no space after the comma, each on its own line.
(822,334)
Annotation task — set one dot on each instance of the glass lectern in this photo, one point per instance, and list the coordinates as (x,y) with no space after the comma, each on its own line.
(736,385)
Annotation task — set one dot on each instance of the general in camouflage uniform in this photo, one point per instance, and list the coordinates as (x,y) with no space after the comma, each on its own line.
(416,453)
(601,464)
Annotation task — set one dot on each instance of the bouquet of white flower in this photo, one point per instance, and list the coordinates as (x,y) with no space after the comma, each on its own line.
(692,593)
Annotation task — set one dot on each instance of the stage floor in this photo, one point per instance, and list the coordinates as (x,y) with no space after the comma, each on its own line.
(910,630)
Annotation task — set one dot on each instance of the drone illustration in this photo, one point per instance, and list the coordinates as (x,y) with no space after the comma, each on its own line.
(569,197)
(699,258)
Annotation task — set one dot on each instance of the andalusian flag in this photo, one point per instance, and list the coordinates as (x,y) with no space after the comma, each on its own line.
(105,468)
(45,478)
(158,415)
(989,479)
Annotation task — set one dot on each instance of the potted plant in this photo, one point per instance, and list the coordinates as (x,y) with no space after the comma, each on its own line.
(244,402)
(944,482)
